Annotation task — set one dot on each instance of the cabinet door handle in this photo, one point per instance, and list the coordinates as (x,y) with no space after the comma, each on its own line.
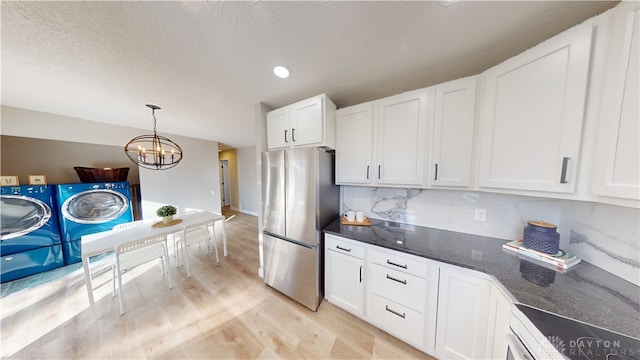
(367,172)
(394,264)
(378,171)
(404,282)
(403,315)
(293,135)
(285,136)
(436,176)
(563,175)
(343,249)
(360,273)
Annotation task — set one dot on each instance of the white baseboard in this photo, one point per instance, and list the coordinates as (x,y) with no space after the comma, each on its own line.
(248,212)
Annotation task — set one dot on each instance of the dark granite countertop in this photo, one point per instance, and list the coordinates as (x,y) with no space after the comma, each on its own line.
(585,292)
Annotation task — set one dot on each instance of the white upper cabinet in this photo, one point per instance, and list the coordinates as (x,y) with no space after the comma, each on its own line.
(617,162)
(309,122)
(278,132)
(532,116)
(400,141)
(383,142)
(452,140)
(354,134)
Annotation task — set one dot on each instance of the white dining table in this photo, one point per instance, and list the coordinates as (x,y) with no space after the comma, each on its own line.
(106,241)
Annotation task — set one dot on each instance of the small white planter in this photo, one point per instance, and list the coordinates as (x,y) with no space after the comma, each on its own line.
(167,219)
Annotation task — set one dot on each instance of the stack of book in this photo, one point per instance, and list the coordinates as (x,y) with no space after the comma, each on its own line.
(562,260)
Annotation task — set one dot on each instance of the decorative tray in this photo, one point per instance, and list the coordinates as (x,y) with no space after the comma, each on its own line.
(366,222)
(161,224)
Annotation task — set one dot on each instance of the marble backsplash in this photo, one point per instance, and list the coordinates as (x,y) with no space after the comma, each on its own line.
(604,235)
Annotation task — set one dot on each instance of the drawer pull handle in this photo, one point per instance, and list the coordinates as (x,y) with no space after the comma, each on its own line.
(404,282)
(343,249)
(394,264)
(403,315)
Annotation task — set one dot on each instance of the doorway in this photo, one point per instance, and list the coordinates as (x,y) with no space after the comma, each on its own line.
(225,191)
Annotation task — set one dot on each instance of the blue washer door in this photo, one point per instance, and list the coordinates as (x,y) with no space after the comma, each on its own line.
(92,211)
(95,206)
(26,223)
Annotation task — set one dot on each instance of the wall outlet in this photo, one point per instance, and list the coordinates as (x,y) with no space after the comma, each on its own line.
(477,254)
(481,215)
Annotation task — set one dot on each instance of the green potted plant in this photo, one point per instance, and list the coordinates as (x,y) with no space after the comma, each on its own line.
(166,213)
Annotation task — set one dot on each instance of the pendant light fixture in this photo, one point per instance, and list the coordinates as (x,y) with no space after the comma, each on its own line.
(153,152)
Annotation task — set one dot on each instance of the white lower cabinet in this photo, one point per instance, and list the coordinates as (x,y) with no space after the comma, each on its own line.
(344,274)
(463,316)
(396,319)
(441,309)
(398,286)
(401,295)
(499,313)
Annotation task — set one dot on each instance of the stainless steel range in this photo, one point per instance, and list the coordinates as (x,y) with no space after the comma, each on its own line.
(537,334)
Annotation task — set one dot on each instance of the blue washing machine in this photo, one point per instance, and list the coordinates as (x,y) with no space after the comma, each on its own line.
(30,240)
(89,208)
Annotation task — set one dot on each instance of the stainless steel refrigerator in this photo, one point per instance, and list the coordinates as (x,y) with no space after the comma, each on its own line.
(299,198)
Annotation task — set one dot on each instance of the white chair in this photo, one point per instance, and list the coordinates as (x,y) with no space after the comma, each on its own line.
(130,254)
(104,266)
(177,235)
(98,270)
(128,225)
(196,234)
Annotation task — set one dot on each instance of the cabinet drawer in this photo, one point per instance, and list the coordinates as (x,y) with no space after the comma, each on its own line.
(344,246)
(402,288)
(401,262)
(406,324)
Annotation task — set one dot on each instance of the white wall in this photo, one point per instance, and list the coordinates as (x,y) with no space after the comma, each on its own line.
(187,186)
(249,200)
(192,185)
(40,125)
(604,235)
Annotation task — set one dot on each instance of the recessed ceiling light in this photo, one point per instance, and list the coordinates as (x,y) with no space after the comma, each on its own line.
(446,3)
(281,72)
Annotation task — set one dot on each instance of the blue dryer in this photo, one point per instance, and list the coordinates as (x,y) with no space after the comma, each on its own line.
(89,208)
(29,233)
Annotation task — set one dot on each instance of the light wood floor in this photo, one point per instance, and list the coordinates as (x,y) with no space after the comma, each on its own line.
(223,311)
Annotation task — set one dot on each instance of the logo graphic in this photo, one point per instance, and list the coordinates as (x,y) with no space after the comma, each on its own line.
(556,344)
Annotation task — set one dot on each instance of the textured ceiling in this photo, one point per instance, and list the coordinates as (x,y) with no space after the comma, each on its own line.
(208,63)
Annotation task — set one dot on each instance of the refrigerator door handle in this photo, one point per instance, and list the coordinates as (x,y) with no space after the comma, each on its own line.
(303,244)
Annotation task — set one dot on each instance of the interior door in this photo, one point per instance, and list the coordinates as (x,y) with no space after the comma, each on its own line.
(225,189)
